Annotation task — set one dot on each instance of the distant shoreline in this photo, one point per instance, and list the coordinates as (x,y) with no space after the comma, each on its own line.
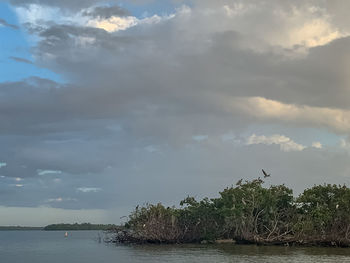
(76,226)
(19,228)
(60,227)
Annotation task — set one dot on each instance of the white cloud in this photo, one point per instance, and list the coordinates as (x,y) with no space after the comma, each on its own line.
(60,199)
(285,143)
(46,172)
(36,14)
(336,120)
(344,144)
(317,145)
(298,24)
(114,24)
(314,33)
(89,189)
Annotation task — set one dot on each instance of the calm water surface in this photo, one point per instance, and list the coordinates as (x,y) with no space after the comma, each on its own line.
(83,247)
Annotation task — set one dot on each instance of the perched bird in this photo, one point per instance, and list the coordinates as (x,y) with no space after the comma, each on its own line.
(337,206)
(265,174)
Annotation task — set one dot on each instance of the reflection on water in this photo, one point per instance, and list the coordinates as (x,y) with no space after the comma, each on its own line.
(239,253)
(83,246)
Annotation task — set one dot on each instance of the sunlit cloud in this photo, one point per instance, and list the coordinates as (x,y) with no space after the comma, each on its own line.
(317,145)
(336,120)
(286,144)
(60,199)
(114,23)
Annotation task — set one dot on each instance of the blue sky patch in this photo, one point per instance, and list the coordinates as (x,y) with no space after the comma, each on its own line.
(14,46)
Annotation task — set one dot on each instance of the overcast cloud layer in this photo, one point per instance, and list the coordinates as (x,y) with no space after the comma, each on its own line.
(159,107)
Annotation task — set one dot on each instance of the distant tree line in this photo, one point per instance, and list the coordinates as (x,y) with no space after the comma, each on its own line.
(16,228)
(76,226)
(247,213)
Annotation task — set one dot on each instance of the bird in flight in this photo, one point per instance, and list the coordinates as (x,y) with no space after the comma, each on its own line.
(265,174)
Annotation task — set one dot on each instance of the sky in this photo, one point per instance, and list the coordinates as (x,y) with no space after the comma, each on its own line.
(105,105)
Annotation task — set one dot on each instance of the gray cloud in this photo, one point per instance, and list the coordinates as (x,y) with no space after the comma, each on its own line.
(105,12)
(65,4)
(82,4)
(133,101)
(22,60)
(3,22)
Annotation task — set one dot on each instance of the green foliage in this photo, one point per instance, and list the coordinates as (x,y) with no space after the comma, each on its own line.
(155,223)
(325,210)
(199,220)
(248,212)
(253,212)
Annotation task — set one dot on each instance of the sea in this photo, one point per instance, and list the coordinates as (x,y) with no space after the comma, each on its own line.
(87,247)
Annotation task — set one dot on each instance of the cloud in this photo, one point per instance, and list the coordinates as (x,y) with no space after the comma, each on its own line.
(4,23)
(317,145)
(106,12)
(48,172)
(22,60)
(200,138)
(285,143)
(18,185)
(336,120)
(152,149)
(60,199)
(89,189)
(64,4)
(37,17)
(114,23)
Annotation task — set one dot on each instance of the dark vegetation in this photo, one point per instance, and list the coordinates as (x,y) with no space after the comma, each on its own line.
(8,228)
(76,226)
(247,213)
